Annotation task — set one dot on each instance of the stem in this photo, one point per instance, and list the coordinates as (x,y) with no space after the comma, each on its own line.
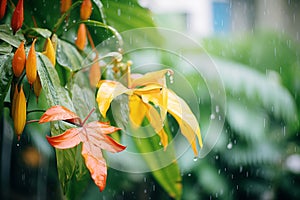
(32,111)
(32,121)
(64,16)
(110,28)
(86,118)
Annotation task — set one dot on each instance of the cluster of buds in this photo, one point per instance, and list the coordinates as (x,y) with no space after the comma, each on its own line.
(19,63)
(85,13)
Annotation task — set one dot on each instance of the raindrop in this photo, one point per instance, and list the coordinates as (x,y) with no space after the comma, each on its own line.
(237,187)
(247,174)
(284,132)
(145,179)
(229,145)
(171,79)
(74,21)
(34,9)
(217,157)
(217,109)
(145,191)
(189,174)
(241,169)
(264,122)
(195,159)
(219,171)
(119,12)
(153,188)
(18,144)
(212,116)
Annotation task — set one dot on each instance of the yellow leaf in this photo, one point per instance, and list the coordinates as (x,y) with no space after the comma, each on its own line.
(108,90)
(137,110)
(159,98)
(188,123)
(156,77)
(158,125)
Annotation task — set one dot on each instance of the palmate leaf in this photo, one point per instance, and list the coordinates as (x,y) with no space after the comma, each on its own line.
(72,174)
(93,135)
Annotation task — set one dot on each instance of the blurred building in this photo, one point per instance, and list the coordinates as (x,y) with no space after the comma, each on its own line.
(206,17)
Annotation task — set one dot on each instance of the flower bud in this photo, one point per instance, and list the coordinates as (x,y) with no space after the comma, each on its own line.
(80,41)
(49,51)
(19,115)
(17,17)
(31,64)
(86,9)
(19,59)
(95,74)
(65,5)
(2,8)
(37,87)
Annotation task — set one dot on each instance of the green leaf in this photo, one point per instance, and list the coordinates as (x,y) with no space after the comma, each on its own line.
(258,88)
(126,15)
(168,176)
(5,48)
(6,76)
(69,164)
(7,36)
(68,56)
(45,33)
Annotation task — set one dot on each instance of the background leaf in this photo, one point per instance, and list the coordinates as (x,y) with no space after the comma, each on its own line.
(6,74)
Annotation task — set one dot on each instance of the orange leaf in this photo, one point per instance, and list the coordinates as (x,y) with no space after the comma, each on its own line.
(68,139)
(59,113)
(94,137)
(96,164)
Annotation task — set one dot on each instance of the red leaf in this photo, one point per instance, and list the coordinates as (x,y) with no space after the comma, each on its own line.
(59,113)
(68,139)
(94,137)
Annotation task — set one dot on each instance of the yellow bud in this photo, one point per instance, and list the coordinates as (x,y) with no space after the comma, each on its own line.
(49,51)
(31,64)
(37,87)
(19,115)
(19,59)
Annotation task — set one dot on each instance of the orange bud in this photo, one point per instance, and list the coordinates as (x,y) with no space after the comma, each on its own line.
(2,8)
(81,37)
(19,115)
(17,17)
(49,51)
(65,5)
(14,100)
(31,64)
(86,9)
(19,59)
(37,87)
(95,74)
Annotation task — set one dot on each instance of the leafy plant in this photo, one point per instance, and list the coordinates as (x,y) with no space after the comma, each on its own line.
(66,80)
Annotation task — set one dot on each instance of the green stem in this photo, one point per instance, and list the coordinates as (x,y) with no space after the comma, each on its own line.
(64,16)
